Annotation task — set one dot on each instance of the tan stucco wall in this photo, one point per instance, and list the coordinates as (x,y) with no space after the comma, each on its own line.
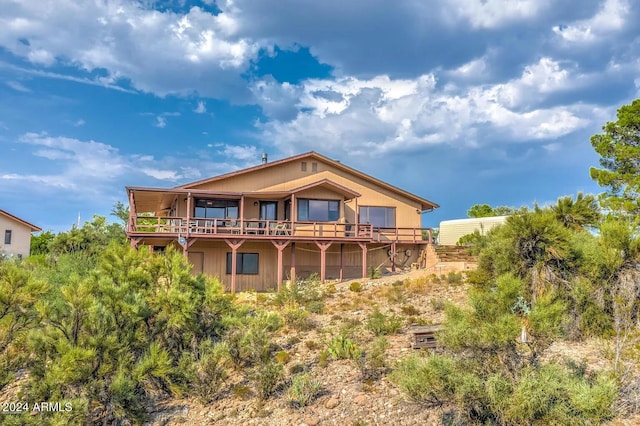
(20,237)
(290,176)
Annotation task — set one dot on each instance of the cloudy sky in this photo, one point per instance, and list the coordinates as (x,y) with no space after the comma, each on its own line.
(458,101)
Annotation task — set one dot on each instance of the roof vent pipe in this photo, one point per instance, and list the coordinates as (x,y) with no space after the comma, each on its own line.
(264,158)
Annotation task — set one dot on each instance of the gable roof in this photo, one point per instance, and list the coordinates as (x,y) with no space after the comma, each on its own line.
(24,222)
(426,204)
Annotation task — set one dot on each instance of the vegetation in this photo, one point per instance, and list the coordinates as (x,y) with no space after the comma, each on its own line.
(88,321)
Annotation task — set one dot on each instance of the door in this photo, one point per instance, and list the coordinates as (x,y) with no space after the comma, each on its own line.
(268,210)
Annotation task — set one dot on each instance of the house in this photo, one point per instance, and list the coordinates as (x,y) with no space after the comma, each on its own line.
(15,235)
(290,218)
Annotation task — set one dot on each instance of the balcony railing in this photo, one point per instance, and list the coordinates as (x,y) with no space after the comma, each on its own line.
(203,227)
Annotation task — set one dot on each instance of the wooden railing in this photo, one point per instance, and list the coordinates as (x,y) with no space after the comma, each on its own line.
(253,227)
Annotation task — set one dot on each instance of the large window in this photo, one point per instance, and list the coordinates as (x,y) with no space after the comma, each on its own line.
(246,263)
(380,217)
(216,209)
(318,210)
(7,236)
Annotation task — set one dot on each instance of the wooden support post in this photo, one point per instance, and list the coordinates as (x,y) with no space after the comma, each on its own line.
(393,256)
(188,213)
(363,246)
(241,214)
(341,261)
(280,245)
(234,245)
(323,259)
(132,212)
(293,263)
(134,242)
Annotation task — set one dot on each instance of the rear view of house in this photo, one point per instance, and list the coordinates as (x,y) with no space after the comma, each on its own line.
(305,214)
(15,235)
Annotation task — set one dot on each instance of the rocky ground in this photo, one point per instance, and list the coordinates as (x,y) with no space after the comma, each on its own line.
(345,398)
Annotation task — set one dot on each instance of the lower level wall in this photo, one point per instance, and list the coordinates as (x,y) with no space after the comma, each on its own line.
(210,257)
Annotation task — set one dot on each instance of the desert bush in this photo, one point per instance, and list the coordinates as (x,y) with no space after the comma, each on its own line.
(266,377)
(303,390)
(355,286)
(454,277)
(341,347)
(298,318)
(410,310)
(438,305)
(381,324)
(316,307)
(282,357)
(374,272)
(312,345)
(374,364)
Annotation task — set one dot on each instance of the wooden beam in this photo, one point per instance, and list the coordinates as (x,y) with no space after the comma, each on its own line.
(393,255)
(132,212)
(341,261)
(293,263)
(241,214)
(363,246)
(188,213)
(234,245)
(280,245)
(134,242)
(323,246)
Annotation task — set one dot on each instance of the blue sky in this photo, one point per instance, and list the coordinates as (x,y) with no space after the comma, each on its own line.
(459,102)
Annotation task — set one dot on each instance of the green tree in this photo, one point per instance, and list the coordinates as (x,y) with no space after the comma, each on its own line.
(619,148)
(578,214)
(40,243)
(480,210)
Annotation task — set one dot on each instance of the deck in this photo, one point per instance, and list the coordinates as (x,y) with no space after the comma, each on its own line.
(201,228)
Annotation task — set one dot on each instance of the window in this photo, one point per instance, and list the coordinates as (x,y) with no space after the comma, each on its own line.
(318,210)
(216,209)
(268,210)
(246,263)
(380,217)
(303,166)
(314,167)
(7,236)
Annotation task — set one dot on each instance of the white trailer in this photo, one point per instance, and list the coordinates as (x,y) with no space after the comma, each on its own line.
(452,230)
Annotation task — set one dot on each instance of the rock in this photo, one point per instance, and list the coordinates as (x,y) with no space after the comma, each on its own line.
(360,399)
(331,403)
(311,420)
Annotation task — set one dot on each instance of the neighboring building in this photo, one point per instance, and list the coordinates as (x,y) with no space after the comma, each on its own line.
(15,235)
(452,230)
(304,214)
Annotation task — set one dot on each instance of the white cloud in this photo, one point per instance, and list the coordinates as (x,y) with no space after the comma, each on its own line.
(161,122)
(381,115)
(160,52)
(201,108)
(79,123)
(16,85)
(610,18)
(496,13)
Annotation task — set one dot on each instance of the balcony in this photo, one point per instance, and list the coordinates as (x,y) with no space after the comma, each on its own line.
(203,228)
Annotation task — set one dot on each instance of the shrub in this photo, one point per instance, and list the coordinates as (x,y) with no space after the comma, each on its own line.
(374,272)
(266,378)
(374,363)
(303,390)
(410,310)
(381,324)
(438,305)
(355,286)
(282,357)
(454,277)
(342,347)
(298,318)
(312,345)
(316,307)
(210,370)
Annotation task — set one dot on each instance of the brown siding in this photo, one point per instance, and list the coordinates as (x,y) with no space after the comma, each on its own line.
(214,255)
